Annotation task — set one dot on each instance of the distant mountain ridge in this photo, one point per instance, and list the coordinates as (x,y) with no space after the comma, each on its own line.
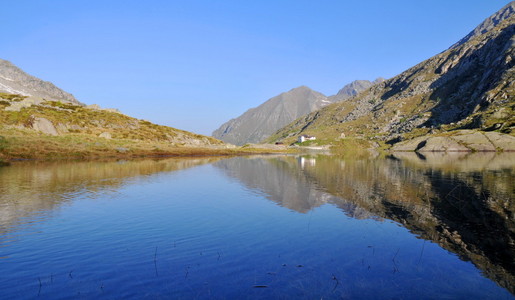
(354,88)
(260,122)
(13,80)
(469,86)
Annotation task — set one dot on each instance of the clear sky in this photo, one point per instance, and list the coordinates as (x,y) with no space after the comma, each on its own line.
(195,64)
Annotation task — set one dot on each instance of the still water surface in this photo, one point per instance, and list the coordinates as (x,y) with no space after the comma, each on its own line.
(281,227)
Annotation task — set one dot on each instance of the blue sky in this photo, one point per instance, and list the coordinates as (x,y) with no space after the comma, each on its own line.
(195,64)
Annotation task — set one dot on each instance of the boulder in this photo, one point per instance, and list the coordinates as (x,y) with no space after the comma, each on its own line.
(43,125)
(475,140)
(410,145)
(501,141)
(442,143)
(62,128)
(106,135)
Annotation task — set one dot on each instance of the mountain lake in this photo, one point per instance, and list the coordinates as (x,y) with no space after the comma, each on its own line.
(404,226)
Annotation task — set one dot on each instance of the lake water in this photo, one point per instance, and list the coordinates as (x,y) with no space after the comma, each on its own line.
(269,227)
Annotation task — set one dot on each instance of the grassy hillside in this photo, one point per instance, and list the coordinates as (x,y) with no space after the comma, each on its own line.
(77,131)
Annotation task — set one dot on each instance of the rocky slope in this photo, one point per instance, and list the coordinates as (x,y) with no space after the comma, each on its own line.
(13,80)
(469,86)
(260,122)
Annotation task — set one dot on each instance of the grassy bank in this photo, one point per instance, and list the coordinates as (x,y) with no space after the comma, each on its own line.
(18,144)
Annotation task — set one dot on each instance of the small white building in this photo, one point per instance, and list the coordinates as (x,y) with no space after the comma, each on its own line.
(305,137)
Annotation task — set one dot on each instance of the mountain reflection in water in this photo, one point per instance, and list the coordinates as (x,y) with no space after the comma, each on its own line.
(462,201)
(136,229)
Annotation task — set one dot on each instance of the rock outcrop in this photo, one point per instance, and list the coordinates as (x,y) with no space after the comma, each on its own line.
(42,125)
(106,135)
(461,140)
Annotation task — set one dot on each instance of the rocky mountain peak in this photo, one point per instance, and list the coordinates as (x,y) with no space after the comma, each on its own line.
(378,80)
(354,88)
(13,80)
(300,92)
(488,24)
(301,88)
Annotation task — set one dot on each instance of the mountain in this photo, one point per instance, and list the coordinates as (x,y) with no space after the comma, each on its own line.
(39,120)
(31,128)
(260,122)
(354,88)
(469,86)
(15,81)
(488,24)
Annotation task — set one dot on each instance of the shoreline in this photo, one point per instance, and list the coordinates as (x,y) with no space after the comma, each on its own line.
(6,161)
